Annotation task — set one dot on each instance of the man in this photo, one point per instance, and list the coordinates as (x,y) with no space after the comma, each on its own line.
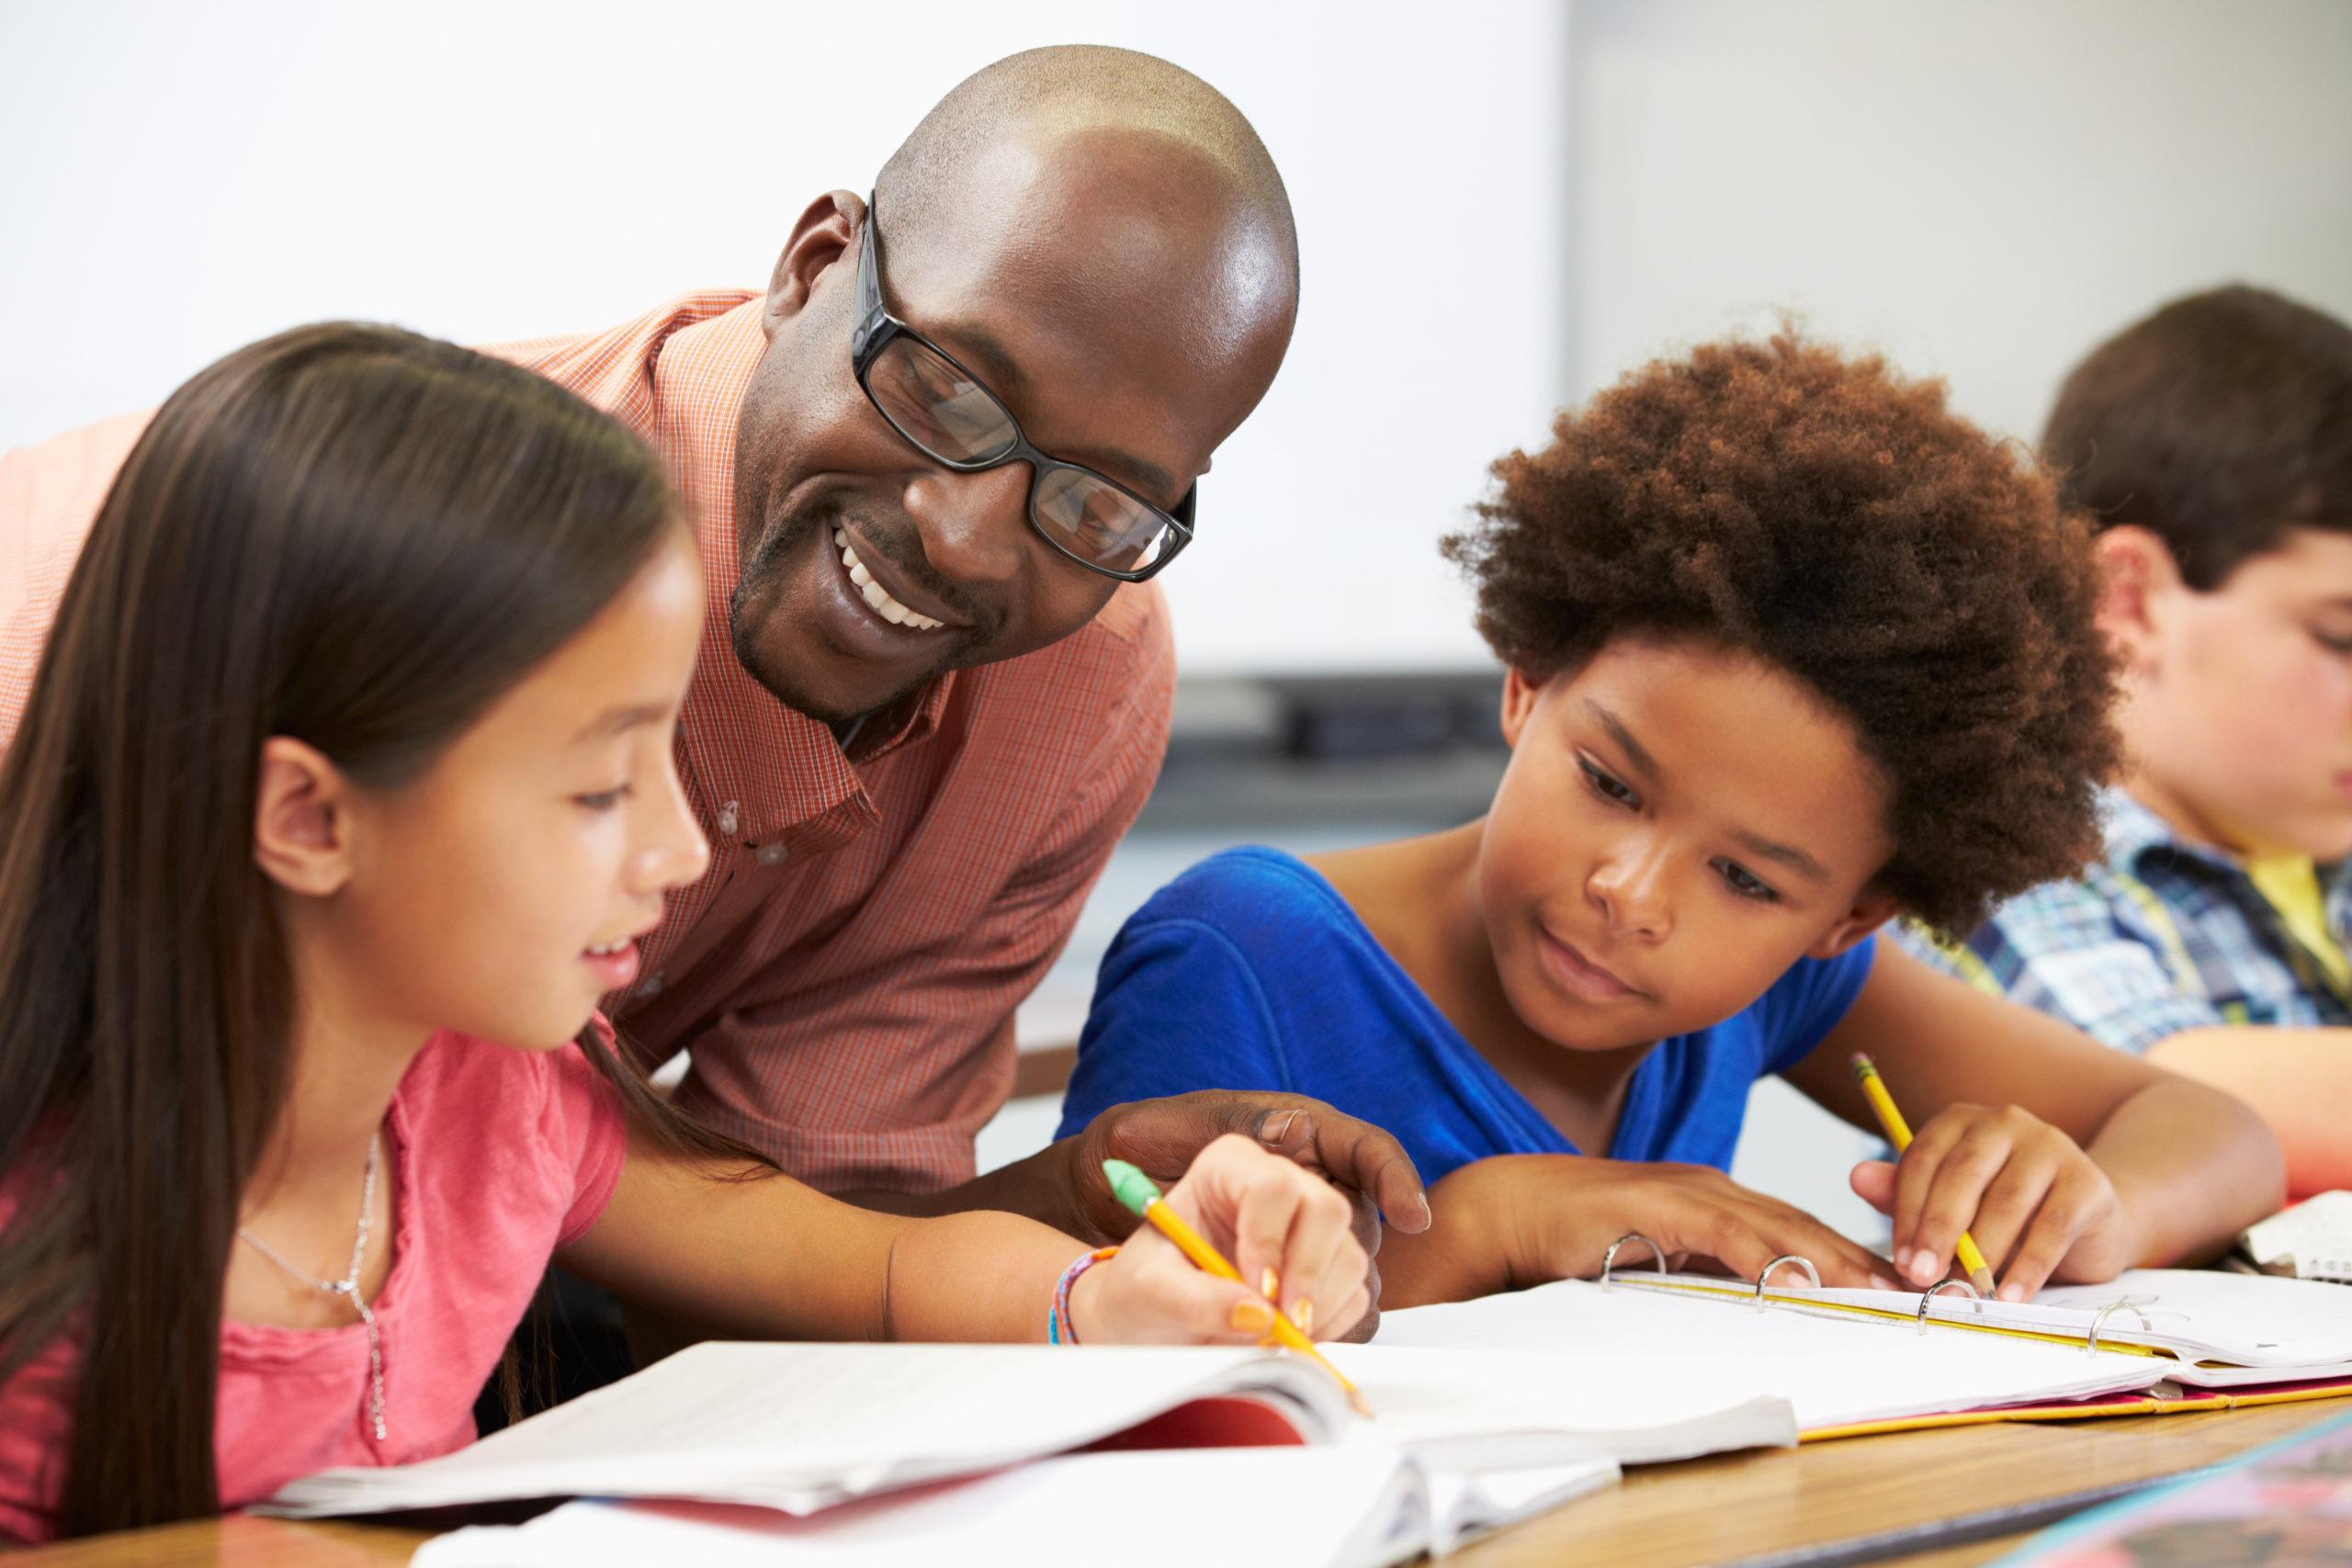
(932,468)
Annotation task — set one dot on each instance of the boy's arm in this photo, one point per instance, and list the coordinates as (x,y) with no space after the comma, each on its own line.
(2007,1103)
(2299,1081)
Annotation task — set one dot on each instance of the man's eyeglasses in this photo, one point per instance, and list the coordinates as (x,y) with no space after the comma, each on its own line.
(954,421)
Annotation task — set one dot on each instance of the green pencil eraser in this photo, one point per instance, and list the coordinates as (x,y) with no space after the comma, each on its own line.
(1130,1186)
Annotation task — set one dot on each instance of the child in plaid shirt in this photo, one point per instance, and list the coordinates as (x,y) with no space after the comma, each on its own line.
(2211,444)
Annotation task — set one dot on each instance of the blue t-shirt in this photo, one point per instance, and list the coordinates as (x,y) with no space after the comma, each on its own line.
(1249,971)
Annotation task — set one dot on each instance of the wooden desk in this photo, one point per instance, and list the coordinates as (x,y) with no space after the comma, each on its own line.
(1705,1511)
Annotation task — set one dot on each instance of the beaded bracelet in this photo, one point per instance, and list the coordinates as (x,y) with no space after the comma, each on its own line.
(1059,1329)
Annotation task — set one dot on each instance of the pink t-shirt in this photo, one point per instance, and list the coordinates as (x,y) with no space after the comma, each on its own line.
(501,1157)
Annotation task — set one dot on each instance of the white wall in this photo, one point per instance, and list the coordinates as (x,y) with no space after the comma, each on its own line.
(179,179)
(1984,190)
(1503,204)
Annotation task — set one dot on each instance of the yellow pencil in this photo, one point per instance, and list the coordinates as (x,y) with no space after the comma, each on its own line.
(1898,1133)
(1140,1193)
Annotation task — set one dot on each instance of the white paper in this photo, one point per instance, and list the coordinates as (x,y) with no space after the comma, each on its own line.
(1360,1506)
(1631,1347)
(2314,1239)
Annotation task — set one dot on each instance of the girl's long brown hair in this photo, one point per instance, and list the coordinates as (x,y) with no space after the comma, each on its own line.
(346,534)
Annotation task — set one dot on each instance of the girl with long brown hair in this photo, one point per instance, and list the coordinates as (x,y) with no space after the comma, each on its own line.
(344,790)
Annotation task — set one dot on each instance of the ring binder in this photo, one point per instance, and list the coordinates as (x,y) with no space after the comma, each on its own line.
(1804,1263)
(1609,1258)
(1932,1291)
(2090,1345)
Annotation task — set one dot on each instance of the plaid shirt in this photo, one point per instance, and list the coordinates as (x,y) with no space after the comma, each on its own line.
(846,972)
(2160,936)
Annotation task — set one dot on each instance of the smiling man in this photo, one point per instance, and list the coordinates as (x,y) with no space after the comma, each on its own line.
(932,468)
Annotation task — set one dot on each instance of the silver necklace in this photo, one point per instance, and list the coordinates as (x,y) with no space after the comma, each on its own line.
(347,1287)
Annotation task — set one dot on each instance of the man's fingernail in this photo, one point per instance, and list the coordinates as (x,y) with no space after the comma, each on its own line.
(1276,1128)
(1270,1284)
(1302,1313)
(1251,1317)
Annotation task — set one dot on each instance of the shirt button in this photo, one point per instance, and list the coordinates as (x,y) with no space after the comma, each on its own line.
(727,818)
(771,852)
(651,985)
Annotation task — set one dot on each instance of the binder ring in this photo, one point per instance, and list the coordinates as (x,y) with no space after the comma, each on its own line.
(1934,1290)
(1804,1263)
(2090,1346)
(1609,1258)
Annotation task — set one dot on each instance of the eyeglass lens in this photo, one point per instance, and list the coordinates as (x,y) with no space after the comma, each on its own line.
(960,422)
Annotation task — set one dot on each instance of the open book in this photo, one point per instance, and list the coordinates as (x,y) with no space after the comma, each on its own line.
(799,1429)
(1355,1505)
(1859,1360)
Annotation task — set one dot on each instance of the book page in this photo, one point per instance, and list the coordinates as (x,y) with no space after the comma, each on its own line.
(1352,1508)
(1618,1348)
(800,1426)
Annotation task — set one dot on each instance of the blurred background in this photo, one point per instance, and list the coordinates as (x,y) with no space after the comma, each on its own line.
(1501,207)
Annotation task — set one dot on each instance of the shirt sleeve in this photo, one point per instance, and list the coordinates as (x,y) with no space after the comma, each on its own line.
(882,1085)
(1177,1008)
(1807,1002)
(49,496)
(2069,950)
(587,1129)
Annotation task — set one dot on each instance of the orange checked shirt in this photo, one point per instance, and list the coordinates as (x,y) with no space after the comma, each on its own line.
(846,974)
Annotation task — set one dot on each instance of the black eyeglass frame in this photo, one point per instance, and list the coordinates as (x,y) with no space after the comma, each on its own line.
(876,328)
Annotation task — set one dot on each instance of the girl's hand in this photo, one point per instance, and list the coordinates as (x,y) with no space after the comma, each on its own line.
(2039,1207)
(1285,1228)
(1512,1221)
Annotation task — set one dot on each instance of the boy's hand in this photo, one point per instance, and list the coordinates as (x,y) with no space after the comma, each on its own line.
(1517,1220)
(2039,1207)
(1281,1225)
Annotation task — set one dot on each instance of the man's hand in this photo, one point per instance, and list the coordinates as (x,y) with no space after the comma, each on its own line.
(1512,1221)
(1161,1137)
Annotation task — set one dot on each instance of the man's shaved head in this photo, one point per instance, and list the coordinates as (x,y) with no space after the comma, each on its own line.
(1043,94)
(1101,240)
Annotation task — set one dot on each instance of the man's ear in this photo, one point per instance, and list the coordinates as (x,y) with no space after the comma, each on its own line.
(1520,692)
(2137,579)
(822,237)
(1871,911)
(301,819)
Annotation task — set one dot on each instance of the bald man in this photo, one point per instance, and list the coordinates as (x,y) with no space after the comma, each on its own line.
(932,468)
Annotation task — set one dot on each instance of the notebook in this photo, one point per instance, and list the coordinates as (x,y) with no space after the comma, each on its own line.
(1863,1360)
(2311,1241)
(1355,1505)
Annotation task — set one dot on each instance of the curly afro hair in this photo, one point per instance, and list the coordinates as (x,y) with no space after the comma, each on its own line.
(1836,520)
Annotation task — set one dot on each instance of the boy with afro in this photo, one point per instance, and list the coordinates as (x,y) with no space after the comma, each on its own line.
(2212,447)
(1790,650)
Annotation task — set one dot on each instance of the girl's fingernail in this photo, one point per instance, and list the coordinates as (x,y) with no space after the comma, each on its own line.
(2011,1293)
(1902,1259)
(1302,1314)
(1251,1317)
(1923,1266)
(1881,1282)
(1270,1283)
